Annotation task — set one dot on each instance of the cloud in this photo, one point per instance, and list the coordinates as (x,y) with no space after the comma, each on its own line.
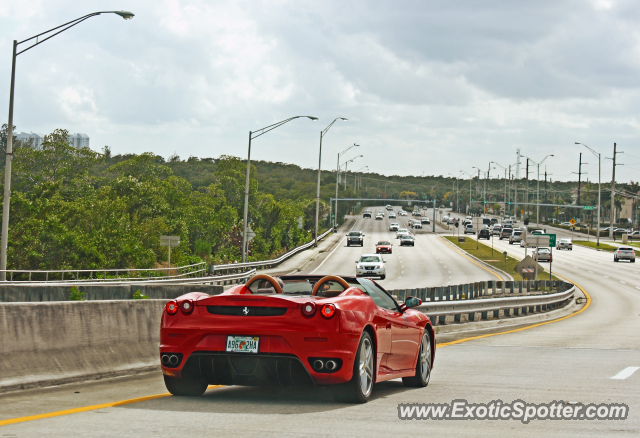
(427,86)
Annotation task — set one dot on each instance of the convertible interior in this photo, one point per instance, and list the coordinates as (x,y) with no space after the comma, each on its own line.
(300,285)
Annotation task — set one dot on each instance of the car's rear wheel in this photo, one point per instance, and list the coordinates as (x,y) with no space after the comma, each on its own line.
(359,388)
(423,365)
(185,387)
(615,259)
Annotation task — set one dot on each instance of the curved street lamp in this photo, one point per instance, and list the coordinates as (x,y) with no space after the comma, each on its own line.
(9,151)
(599,166)
(322,134)
(335,216)
(252,135)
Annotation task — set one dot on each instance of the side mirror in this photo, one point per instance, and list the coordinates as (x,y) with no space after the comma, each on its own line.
(411,302)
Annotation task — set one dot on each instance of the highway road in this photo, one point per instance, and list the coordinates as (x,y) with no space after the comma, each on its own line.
(572,360)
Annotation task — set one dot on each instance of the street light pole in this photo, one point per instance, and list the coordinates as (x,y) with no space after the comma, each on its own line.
(9,151)
(599,182)
(538,196)
(253,135)
(335,214)
(322,134)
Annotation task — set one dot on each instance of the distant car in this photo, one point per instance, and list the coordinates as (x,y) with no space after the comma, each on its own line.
(425,221)
(505,232)
(624,253)
(402,213)
(401,232)
(392,215)
(516,236)
(564,244)
(407,240)
(379,217)
(566,224)
(389,207)
(484,234)
(394,227)
(417,225)
(468,229)
(416,213)
(380,212)
(537,233)
(366,214)
(494,220)
(371,265)
(445,219)
(634,235)
(495,231)
(383,247)
(355,238)
(543,254)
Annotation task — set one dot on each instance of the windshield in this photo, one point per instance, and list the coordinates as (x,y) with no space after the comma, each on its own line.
(370,259)
(354,233)
(401,230)
(406,237)
(379,296)
(384,243)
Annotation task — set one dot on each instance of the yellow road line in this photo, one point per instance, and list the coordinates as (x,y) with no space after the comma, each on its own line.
(459,341)
(88,408)
(455,248)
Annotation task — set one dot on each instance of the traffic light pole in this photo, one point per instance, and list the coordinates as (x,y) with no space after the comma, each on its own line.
(434,215)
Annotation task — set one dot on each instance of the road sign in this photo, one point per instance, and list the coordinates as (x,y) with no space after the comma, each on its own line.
(521,211)
(552,240)
(171,241)
(572,221)
(250,234)
(486,209)
(537,240)
(587,207)
(527,268)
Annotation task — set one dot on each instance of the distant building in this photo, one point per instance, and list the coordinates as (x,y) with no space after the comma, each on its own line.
(33,139)
(79,140)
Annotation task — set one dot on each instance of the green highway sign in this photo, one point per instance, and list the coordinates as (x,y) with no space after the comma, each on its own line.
(552,240)
(587,207)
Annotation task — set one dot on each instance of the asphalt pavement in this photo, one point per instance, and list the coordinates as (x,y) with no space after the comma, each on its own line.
(589,357)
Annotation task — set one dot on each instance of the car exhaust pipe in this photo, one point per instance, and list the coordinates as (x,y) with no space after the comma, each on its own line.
(173,360)
(318,364)
(331,365)
(165,359)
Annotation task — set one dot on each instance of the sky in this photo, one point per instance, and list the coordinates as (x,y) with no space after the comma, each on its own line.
(428,87)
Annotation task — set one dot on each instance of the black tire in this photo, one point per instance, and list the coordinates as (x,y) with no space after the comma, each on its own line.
(352,391)
(185,387)
(423,365)
(615,259)
(382,277)
(510,243)
(633,261)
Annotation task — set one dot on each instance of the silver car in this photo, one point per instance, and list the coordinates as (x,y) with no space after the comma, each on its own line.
(542,254)
(624,253)
(565,244)
(516,236)
(371,265)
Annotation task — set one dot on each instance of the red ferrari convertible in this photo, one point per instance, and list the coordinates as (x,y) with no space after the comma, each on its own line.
(346,333)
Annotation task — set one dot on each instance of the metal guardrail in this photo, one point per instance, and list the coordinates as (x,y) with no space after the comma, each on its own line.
(489,296)
(199,270)
(220,280)
(189,271)
(267,263)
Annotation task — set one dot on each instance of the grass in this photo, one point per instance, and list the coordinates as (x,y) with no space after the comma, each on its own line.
(590,244)
(484,253)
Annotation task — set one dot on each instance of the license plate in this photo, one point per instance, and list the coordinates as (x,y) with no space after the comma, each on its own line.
(243,344)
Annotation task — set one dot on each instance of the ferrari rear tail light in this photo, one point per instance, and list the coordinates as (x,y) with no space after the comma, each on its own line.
(328,310)
(186,307)
(171,307)
(309,309)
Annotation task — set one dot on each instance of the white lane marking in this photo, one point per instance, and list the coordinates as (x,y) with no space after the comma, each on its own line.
(627,372)
(623,282)
(591,272)
(339,245)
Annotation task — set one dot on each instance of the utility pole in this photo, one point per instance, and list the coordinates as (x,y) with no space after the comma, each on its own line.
(579,181)
(526,193)
(613,193)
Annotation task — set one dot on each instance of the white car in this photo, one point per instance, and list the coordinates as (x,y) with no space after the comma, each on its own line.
(564,244)
(425,221)
(392,215)
(371,265)
(402,213)
(401,232)
(394,227)
(624,253)
(417,225)
(542,254)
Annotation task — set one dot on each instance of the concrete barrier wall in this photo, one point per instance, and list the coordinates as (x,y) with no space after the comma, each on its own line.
(45,344)
(13,293)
